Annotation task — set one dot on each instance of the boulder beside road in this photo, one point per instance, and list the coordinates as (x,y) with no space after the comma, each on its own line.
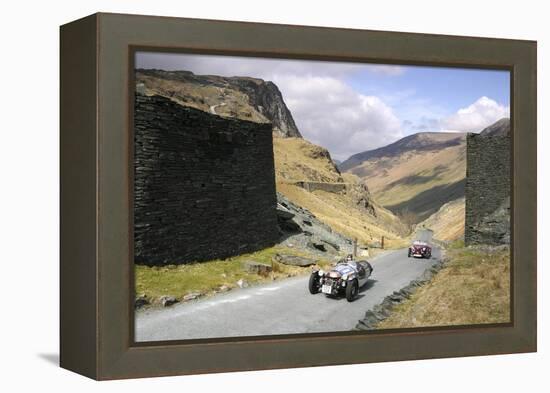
(257,268)
(293,260)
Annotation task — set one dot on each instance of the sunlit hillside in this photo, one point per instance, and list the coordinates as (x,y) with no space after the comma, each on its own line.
(416,175)
(448,222)
(353,212)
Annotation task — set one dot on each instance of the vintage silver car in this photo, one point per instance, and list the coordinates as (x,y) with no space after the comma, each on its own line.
(346,277)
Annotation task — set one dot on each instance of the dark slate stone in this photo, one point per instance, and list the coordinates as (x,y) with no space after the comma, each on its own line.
(293,260)
(204,185)
(487,189)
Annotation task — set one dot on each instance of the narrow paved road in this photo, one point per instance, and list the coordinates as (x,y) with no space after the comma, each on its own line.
(281,307)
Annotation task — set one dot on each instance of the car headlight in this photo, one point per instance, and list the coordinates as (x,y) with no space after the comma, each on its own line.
(321,272)
(345,277)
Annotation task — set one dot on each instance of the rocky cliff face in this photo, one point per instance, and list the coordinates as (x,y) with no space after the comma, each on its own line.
(244,98)
(493,228)
(488,185)
(266,98)
(301,229)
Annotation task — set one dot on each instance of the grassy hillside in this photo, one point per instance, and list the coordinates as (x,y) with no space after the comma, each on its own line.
(339,212)
(416,175)
(297,159)
(245,98)
(448,222)
(473,288)
(223,100)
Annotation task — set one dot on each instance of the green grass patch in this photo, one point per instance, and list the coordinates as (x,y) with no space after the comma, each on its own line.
(473,288)
(207,278)
(457,244)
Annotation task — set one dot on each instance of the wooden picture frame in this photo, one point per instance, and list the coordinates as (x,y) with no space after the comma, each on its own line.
(96,196)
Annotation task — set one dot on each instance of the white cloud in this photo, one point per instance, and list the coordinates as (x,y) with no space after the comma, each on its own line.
(257,67)
(330,113)
(476,116)
(327,111)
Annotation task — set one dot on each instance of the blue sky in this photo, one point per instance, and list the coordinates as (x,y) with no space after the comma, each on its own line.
(442,91)
(452,86)
(352,107)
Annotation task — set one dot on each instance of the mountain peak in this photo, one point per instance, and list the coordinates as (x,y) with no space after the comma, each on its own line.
(246,98)
(422,141)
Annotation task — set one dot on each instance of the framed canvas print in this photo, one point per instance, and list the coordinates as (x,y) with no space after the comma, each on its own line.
(241,196)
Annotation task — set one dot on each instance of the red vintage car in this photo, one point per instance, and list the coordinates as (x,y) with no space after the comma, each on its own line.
(420,249)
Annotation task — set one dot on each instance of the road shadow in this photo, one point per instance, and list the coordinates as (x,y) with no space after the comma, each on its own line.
(368,285)
(52,358)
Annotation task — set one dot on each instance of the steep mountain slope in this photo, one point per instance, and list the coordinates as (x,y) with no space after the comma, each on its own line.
(344,215)
(350,210)
(416,175)
(242,97)
(296,159)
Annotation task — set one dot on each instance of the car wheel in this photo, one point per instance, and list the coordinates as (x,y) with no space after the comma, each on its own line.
(409,254)
(352,290)
(313,283)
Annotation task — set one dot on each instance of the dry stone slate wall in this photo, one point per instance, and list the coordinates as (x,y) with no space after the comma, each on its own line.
(488,186)
(311,186)
(204,186)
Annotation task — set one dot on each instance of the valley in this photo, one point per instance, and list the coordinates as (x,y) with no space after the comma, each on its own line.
(349,209)
(416,175)
(389,192)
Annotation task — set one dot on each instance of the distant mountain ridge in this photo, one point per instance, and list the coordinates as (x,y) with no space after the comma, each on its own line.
(422,177)
(241,97)
(422,141)
(416,175)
